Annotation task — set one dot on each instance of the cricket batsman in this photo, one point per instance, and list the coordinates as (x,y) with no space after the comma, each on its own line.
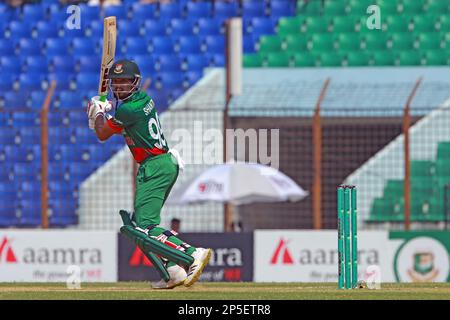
(136,119)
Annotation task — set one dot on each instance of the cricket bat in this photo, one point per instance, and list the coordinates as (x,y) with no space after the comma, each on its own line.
(109,50)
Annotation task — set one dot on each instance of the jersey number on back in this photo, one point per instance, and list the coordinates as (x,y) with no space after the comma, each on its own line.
(154,123)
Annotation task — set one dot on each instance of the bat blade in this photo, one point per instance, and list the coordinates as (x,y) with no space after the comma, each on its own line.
(109,50)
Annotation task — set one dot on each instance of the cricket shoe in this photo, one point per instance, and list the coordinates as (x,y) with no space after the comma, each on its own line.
(201,258)
(177,278)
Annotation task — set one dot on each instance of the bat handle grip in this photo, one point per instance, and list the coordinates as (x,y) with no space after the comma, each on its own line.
(102,98)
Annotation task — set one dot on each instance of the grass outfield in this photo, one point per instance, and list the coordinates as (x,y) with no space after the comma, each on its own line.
(222,291)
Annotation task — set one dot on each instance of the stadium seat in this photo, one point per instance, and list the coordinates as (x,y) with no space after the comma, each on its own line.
(399,23)
(327,59)
(18,30)
(30,47)
(87,64)
(79,171)
(26,172)
(56,47)
(252,60)
(29,215)
(36,64)
(94,29)
(188,45)
(62,64)
(316,25)
(58,171)
(154,28)
(252,9)
(36,100)
(62,135)
(290,25)
(437,6)
(430,41)
(181,27)
(63,80)
(6,47)
(216,59)
(25,119)
(83,47)
(77,118)
(278,59)
(425,23)
(443,150)
(90,13)
(143,12)
(169,80)
(161,45)
(375,41)
(119,11)
(225,10)
(135,46)
(15,100)
(410,58)
(270,44)
(7,82)
(20,154)
(47,29)
(7,136)
(296,43)
(310,8)
(72,153)
(249,43)
(334,8)
(11,64)
(62,212)
(207,27)
(436,57)
(170,10)
(349,42)
(262,26)
(146,64)
(192,77)
(197,10)
(444,23)
(29,136)
(402,41)
(69,100)
(344,24)
(87,81)
(129,28)
(358,59)
(32,12)
(321,43)
(8,215)
(195,62)
(168,63)
(31,81)
(281,8)
(413,7)
(57,118)
(389,7)
(83,136)
(214,44)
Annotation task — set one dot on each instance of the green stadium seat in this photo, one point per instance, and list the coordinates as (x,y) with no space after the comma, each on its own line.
(321,42)
(393,188)
(361,26)
(316,25)
(430,41)
(358,59)
(305,59)
(270,44)
(375,41)
(423,185)
(252,60)
(335,8)
(436,57)
(279,59)
(433,210)
(295,43)
(444,24)
(349,42)
(309,8)
(437,6)
(389,7)
(425,23)
(422,168)
(359,7)
(380,209)
(402,41)
(383,58)
(415,7)
(398,23)
(344,24)
(443,167)
(443,150)
(330,59)
(410,58)
(290,25)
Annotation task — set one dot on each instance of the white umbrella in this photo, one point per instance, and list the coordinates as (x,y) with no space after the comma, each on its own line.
(238,183)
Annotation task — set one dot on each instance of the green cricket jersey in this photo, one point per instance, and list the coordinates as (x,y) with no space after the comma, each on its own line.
(137,120)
